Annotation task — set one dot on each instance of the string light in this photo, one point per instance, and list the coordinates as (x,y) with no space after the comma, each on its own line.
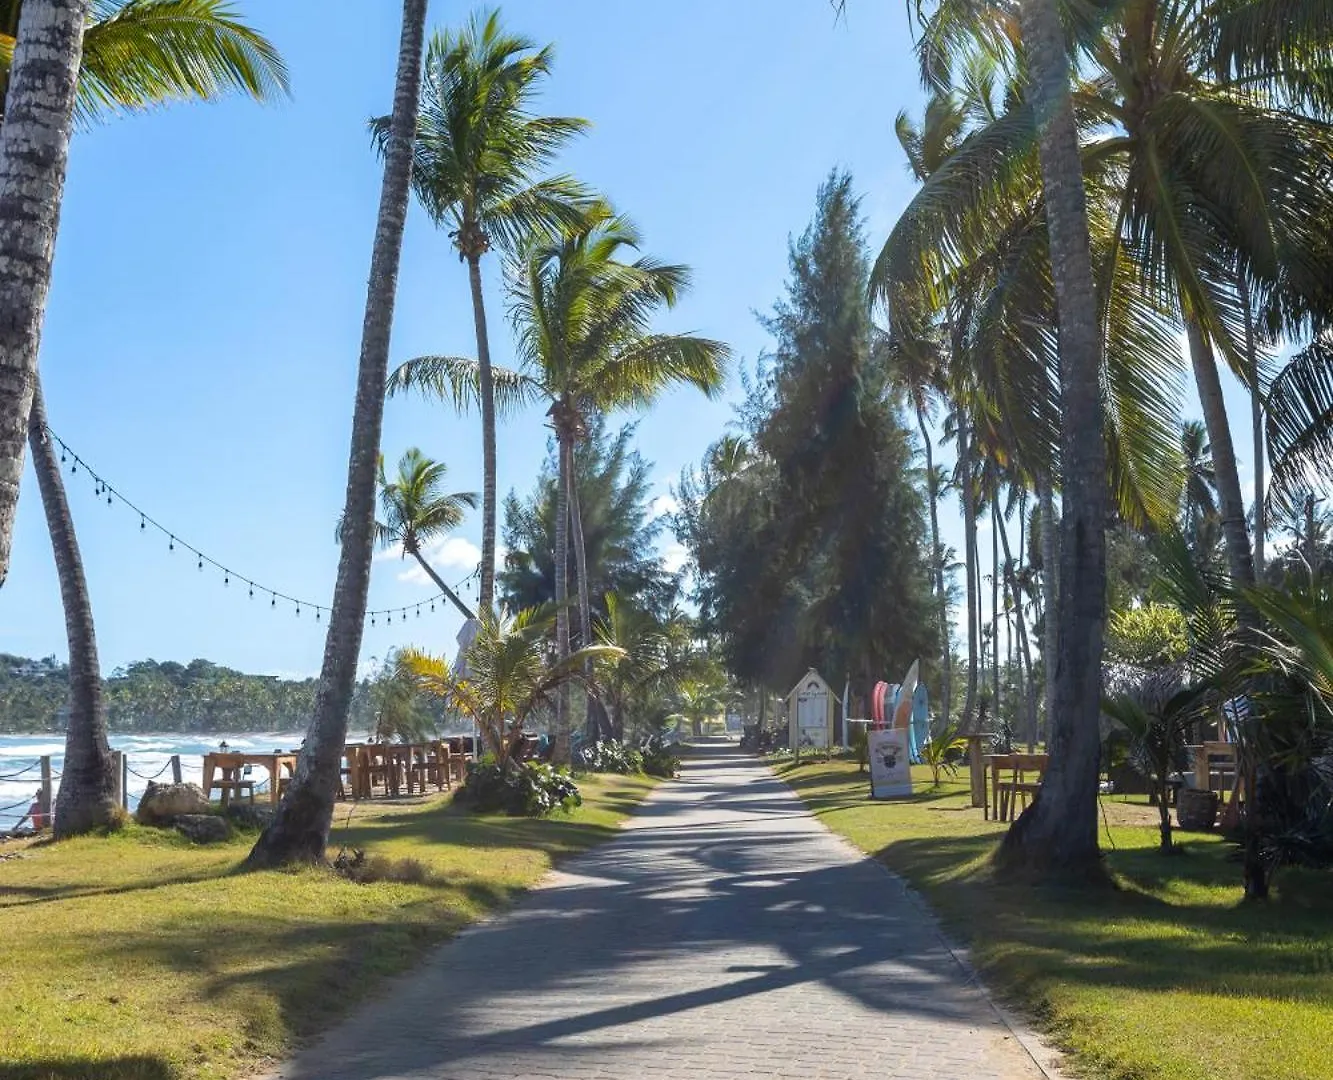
(103,487)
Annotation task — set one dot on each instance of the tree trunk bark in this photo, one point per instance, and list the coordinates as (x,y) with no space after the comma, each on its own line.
(486,600)
(560,732)
(995,601)
(941,597)
(591,723)
(439,584)
(300,830)
(1231,501)
(1025,653)
(1256,426)
(87,797)
(1050,595)
(970,567)
(1056,836)
(34,154)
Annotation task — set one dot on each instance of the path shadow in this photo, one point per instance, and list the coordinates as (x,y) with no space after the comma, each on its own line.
(121,1068)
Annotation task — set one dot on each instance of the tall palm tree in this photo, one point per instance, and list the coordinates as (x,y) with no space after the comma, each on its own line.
(415,510)
(479,150)
(135,55)
(300,829)
(583,320)
(1200,487)
(34,153)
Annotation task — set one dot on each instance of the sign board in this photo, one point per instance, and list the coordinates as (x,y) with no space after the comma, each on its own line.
(812,709)
(890,763)
(735,721)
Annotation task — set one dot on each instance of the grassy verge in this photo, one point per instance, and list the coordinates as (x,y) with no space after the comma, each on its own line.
(141,957)
(1169,975)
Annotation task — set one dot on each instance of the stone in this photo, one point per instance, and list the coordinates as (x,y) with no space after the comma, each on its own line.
(163,803)
(246,816)
(203,828)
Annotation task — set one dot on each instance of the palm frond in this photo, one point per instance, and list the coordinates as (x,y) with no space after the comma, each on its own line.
(457,380)
(1300,424)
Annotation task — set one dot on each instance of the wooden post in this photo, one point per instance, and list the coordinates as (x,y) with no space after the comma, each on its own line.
(977,769)
(44,801)
(175,768)
(124,772)
(116,775)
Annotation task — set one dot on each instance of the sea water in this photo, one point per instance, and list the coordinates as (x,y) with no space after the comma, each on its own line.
(149,758)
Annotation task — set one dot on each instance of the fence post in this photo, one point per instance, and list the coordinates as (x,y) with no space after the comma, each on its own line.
(175,768)
(45,801)
(124,780)
(117,775)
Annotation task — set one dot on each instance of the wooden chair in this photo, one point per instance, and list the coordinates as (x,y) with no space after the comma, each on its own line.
(1021,782)
(227,785)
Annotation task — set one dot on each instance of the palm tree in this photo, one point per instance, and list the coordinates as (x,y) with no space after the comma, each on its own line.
(478,151)
(414,511)
(300,830)
(1200,487)
(510,675)
(582,318)
(135,55)
(654,657)
(34,152)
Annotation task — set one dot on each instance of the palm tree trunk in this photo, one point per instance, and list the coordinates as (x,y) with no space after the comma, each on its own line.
(1050,594)
(1256,425)
(941,597)
(467,612)
(1057,834)
(560,732)
(87,797)
(300,830)
(590,716)
(486,598)
(1025,653)
(995,601)
(34,154)
(1231,501)
(970,565)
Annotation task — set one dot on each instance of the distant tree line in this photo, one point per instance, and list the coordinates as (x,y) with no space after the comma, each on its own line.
(165,696)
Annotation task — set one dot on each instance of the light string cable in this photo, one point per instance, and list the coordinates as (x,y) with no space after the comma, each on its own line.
(102,488)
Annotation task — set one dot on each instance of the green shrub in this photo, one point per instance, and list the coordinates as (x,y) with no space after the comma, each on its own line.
(660,758)
(529,789)
(611,757)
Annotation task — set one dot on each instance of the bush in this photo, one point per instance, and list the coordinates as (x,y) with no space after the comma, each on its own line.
(368,870)
(610,757)
(660,758)
(529,789)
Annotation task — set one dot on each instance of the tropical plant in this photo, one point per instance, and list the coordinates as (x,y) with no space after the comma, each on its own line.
(414,510)
(654,657)
(583,319)
(610,756)
(509,676)
(399,709)
(943,750)
(135,55)
(300,829)
(1157,712)
(479,150)
(1150,635)
(519,789)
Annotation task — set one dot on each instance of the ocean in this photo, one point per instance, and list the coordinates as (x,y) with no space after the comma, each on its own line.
(149,758)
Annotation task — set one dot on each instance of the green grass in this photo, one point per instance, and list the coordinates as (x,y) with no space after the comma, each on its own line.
(141,957)
(1167,975)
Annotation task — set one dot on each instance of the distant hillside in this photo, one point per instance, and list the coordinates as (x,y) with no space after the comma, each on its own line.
(150,696)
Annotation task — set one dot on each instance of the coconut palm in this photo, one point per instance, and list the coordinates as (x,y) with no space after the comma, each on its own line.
(300,829)
(583,322)
(135,55)
(654,658)
(414,510)
(510,675)
(479,151)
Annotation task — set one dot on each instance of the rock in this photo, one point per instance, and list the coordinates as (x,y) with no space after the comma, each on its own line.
(246,816)
(162,803)
(203,828)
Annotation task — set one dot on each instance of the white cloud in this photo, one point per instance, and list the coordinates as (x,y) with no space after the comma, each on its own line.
(664,504)
(456,555)
(674,556)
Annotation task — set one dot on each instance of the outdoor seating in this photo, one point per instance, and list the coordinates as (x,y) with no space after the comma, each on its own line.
(1014,777)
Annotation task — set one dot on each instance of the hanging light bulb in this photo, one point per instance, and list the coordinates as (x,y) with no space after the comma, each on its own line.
(226,578)
(272,599)
(74,468)
(62,455)
(201,562)
(418,611)
(298,609)
(171,544)
(108,497)
(252,589)
(372,618)
(317,614)
(142,524)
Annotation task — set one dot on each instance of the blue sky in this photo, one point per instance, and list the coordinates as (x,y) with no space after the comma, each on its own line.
(201,341)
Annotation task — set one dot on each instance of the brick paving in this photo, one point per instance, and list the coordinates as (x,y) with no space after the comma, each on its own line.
(725,934)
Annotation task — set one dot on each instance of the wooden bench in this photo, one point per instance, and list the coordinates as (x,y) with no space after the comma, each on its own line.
(240,787)
(1023,779)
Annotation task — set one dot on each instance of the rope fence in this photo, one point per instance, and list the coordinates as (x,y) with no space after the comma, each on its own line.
(22,772)
(13,814)
(155,775)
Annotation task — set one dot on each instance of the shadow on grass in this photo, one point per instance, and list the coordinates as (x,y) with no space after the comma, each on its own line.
(125,1068)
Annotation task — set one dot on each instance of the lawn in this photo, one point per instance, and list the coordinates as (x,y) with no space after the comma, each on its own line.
(1168,975)
(142,957)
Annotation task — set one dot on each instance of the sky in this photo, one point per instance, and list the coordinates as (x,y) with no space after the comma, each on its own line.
(202,335)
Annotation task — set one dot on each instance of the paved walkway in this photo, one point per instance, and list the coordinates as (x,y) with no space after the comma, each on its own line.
(726,933)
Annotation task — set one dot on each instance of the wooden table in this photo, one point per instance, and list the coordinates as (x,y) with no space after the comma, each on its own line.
(1205,755)
(395,766)
(230,763)
(1025,772)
